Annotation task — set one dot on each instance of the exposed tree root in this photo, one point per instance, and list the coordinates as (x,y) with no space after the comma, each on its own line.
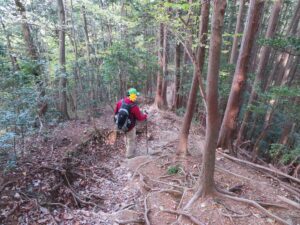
(77,198)
(256,205)
(162,182)
(146,211)
(6,184)
(122,222)
(170,191)
(286,186)
(144,164)
(289,201)
(260,167)
(55,204)
(235,174)
(186,214)
(236,216)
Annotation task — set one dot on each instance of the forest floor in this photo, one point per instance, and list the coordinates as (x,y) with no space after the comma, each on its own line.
(78,174)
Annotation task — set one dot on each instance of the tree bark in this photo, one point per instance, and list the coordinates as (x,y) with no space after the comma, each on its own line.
(31,48)
(62,62)
(158,97)
(176,98)
(238,30)
(13,59)
(198,63)
(233,106)
(34,56)
(206,180)
(165,66)
(264,57)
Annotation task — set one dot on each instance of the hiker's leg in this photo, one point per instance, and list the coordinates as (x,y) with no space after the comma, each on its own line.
(130,143)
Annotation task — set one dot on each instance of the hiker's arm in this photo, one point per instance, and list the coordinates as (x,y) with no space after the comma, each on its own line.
(138,114)
(117,108)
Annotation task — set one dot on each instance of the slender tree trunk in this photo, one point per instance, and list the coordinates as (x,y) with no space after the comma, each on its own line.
(238,30)
(89,71)
(13,59)
(31,48)
(264,57)
(37,71)
(198,63)
(282,76)
(271,109)
(206,180)
(177,77)
(288,128)
(165,66)
(233,106)
(158,97)
(62,62)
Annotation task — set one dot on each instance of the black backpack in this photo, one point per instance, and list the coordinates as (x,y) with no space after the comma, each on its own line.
(122,119)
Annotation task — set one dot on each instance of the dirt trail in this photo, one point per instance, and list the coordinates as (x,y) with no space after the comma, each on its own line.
(77,176)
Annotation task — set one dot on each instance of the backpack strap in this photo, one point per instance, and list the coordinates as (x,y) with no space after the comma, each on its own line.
(127,106)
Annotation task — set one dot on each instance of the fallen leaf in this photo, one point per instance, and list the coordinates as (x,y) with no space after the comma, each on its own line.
(67,216)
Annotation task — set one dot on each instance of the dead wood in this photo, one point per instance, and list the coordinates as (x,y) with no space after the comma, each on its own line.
(6,184)
(186,214)
(54,204)
(260,167)
(256,205)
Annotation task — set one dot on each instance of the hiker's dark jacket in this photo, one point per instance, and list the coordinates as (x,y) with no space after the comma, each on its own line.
(134,114)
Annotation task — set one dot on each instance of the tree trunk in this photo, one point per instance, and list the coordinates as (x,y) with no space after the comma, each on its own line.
(89,72)
(34,55)
(284,73)
(233,106)
(177,77)
(158,97)
(198,63)
(264,57)
(62,62)
(206,180)
(165,66)
(31,48)
(238,30)
(13,59)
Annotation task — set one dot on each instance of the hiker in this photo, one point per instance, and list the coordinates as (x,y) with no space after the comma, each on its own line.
(126,114)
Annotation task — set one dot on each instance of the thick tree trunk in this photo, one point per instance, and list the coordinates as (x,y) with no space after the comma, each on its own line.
(159,85)
(198,68)
(182,148)
(62,62)
(264,57)
(206,180)
(238,30)
(233,106)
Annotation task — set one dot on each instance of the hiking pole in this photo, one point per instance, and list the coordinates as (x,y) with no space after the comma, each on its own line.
(147,135)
